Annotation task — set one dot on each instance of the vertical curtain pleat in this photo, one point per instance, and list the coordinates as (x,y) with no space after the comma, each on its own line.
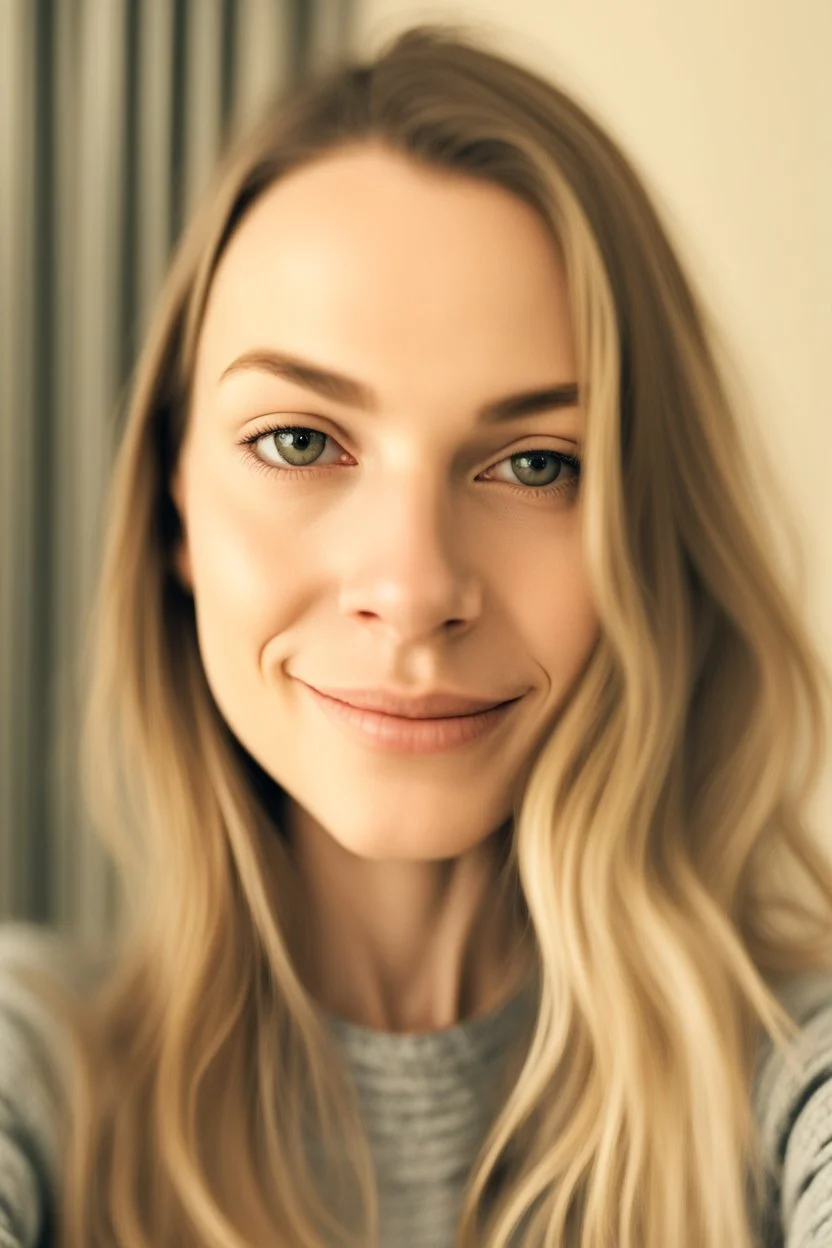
(155,120)
(18,557)
(329,35)
(69,835)
(203,98)
(112,116)
(90,352)
(267,54)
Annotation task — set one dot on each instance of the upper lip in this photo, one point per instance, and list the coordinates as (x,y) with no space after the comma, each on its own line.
(426,706)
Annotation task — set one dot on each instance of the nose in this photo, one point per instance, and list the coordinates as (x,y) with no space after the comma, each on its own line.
(410,571)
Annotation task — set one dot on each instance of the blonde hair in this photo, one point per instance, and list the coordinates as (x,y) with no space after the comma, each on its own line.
(652,829)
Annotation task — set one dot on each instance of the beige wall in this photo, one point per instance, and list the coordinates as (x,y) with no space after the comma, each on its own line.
(725,106)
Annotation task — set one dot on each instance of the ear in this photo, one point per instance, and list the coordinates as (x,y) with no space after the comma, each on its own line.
(181,555)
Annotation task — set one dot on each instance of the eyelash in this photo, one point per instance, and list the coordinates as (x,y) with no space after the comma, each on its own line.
(558,487)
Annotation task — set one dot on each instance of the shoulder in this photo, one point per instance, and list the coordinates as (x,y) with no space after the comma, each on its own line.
(24,945)
(33,1053)
(29,955)
(793,1102)
(30,1071)
(33,960)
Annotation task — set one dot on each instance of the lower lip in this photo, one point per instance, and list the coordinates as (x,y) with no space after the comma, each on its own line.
(395,734)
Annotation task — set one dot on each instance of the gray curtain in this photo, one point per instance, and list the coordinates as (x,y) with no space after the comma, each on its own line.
(112,113)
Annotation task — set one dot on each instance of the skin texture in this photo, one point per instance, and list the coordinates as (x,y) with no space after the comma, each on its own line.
(413,553)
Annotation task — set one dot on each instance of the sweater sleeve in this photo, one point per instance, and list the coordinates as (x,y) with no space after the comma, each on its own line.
(24,1123)
(794,1101)
(29,1089)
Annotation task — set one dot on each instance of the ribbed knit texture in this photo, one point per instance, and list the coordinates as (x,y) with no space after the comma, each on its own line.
(793,1106)
(428,1101)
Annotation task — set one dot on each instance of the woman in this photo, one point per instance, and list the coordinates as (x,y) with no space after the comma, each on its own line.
(444,714)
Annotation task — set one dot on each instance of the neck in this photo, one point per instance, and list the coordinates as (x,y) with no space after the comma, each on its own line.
(405,946)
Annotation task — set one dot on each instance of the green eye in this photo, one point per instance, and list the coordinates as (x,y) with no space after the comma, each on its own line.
(298,447)
(541,468)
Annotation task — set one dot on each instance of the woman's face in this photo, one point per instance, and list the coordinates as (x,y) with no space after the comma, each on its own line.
(398,540)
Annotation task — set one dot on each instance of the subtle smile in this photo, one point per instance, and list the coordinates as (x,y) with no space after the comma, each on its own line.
(408,733)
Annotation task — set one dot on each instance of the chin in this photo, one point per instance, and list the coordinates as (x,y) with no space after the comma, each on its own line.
(416,845)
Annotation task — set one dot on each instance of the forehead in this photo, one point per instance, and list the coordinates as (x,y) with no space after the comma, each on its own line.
(366,253)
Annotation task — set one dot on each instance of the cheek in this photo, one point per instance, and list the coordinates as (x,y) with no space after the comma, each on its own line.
(251,575)
(556,611)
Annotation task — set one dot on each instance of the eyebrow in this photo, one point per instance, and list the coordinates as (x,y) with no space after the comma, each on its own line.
(347,390)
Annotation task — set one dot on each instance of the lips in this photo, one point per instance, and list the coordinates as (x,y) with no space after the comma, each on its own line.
(436,705)
(411,734)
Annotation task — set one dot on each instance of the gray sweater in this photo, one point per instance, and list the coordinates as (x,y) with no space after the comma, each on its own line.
(428,1101)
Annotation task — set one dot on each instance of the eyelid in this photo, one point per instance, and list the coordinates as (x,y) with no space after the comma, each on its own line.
(308,420)
(295,420)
